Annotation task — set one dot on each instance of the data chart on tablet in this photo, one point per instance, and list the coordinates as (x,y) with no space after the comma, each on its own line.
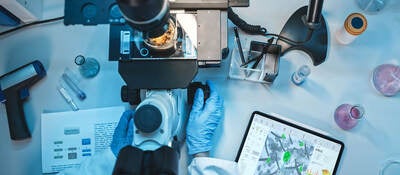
(277,147)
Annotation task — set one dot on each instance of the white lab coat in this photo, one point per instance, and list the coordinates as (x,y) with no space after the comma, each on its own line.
(103,163)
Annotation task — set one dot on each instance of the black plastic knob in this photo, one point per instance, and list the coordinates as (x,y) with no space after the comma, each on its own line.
(130,95)
(191,90)
(224,52)
(147,118)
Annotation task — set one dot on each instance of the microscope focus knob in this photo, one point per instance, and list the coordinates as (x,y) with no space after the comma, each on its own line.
(147,118)
(130,95)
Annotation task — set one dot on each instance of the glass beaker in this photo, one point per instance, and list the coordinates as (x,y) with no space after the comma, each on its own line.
(88,67)
(372,6)
(347,116)
(386,79)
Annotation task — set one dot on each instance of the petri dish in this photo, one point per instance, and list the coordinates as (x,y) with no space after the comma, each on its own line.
(390,167)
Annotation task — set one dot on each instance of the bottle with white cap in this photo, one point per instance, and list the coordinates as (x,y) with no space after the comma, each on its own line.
(354,25)
(300,75)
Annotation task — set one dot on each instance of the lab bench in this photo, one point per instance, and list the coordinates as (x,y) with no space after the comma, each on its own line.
(345,77)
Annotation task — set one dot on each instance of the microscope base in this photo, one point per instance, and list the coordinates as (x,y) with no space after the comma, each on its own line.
(315,45)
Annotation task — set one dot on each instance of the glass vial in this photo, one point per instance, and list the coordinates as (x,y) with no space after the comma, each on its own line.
(300,75)
(88,67)
(386,79)
(354,25)
(372,6)
(347,116)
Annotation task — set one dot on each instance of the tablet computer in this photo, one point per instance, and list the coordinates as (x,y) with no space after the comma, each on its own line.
(275,146)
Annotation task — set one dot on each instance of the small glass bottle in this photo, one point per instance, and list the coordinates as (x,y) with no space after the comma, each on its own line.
(372,6)
(88,67)
(347,116)
(354,25)
(300,75)
(386,79)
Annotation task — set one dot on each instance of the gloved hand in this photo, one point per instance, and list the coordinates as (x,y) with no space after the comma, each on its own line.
(203,120)
(123,134)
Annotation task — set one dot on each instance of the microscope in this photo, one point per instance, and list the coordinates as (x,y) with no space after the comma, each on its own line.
(160,117)
(159,48)
(159,51)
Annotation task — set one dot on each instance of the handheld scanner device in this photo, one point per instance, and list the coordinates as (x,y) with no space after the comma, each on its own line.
(14,86)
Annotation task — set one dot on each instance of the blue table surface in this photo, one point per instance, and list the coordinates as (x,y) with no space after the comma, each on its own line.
(345,77)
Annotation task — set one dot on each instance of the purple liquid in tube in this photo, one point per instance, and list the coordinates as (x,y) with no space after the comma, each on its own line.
(347,116)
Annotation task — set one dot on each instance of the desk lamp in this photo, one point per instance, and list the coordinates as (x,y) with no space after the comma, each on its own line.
(306,30)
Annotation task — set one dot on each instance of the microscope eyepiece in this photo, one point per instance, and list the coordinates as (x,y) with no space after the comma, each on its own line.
(149,16)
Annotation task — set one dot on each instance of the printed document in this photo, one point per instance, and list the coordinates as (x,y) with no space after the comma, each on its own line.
(68,138)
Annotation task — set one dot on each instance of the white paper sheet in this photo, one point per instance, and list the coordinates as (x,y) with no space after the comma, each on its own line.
(70,137)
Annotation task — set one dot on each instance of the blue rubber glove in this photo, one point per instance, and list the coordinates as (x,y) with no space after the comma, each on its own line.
(203,120)
(123,134)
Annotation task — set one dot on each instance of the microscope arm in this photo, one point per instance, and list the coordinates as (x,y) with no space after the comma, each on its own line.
(308,28)
(314,11)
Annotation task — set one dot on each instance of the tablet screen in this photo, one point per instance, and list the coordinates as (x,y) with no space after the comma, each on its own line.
(275,146)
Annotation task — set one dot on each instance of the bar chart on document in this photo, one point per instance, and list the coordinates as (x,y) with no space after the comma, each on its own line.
(280,149)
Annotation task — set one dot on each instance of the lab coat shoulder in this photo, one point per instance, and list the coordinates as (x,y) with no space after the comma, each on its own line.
(212,166)
(101,163)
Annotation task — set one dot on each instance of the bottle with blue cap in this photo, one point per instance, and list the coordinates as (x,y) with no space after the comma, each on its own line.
(354,25)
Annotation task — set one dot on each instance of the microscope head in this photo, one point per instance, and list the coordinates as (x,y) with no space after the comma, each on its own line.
(149,16)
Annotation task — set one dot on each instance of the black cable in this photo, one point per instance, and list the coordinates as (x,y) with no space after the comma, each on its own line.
(248,28)
(31,24)
(258,30)
(290,41)
(285,39)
